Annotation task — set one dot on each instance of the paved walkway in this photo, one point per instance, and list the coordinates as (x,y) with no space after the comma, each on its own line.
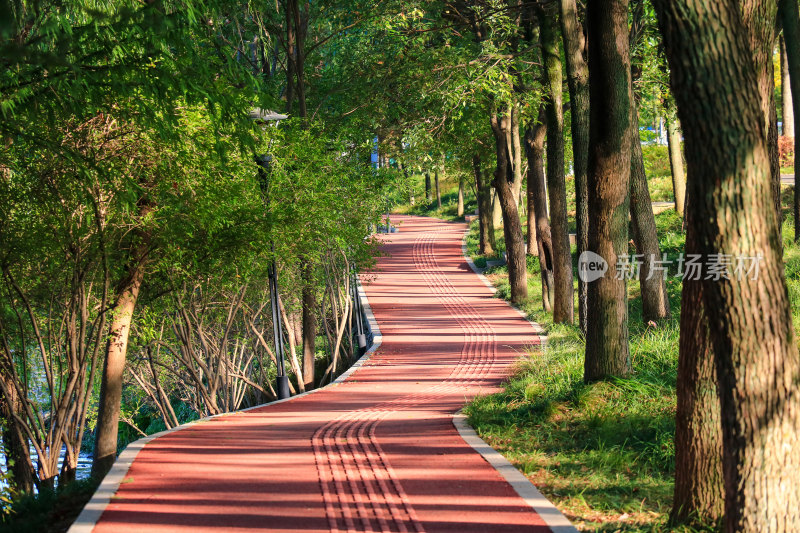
(378,452)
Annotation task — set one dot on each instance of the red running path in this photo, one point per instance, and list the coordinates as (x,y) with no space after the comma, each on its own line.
(377,452)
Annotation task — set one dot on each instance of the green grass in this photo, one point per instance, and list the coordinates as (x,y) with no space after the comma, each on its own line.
(602,453)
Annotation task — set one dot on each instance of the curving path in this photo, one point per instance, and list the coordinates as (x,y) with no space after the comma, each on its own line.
(377,452)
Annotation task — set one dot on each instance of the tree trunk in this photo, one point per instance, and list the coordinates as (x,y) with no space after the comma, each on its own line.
(607,352)
(787,102)
(438,190)
(790,20)
(428,193)
(759,18)
(460,206)
(484,209)
(537,209)
(497,210)
(731,207)
(578,82)
(676,163)
(516,151)
(105,446)
(699,490)
(512,227)
(655,301)
(13,446)
(563,297)
(309,325)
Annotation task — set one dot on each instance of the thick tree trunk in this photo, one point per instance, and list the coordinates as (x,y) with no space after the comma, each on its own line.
(428,193)
(512,227)
(537,209)
(759,18)
(309,325)
(578,82)
(607,352)
(790,20)
(731,207)
(676,163)
(105,444)
(484,208)
(655,301)
(563,297)
(699,490)
(460,206)
(787,102)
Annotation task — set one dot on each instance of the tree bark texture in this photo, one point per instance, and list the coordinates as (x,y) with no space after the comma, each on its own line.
(563,297)
(731,210)
(699,488)
(578,82)
(537,209)
(13,443)
(759,18)
(607,352)
(512,227)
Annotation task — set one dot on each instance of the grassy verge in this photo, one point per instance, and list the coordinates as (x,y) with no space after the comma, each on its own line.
(602,453)
(49,511)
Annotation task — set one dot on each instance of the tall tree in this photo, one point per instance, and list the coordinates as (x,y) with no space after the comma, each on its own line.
(578,82)
(512,227)
(790,21)
(674,142)
(731,211)
(484,193)
(563,299)
(538,223)
(787,103)
(607,352)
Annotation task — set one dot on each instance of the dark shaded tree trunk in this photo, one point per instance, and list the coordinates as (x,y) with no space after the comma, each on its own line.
(563,297)
(790,20)
(699,489)
(676,163)
(484,208)
(537,208)
(655,301)
(578,82)
(438,189)
(105,444)
(428,193)
(512,227)
(731,209)
(607,352)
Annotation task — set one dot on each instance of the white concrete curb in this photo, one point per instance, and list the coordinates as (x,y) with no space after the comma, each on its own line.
(557,522)
(93,510)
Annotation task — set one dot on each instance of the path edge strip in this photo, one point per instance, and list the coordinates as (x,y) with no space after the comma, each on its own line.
(549,513)
(93,510)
